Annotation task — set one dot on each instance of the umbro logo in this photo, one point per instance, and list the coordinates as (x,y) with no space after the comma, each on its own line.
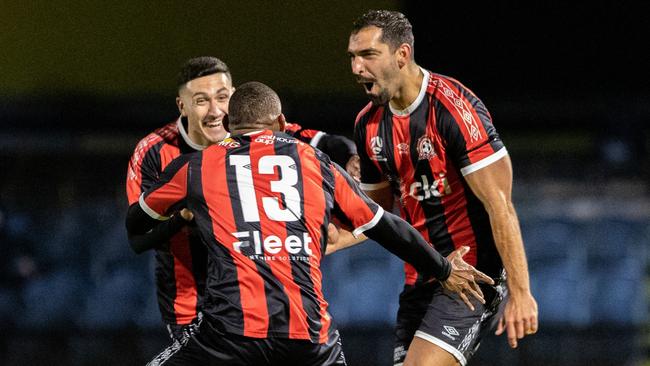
(450,332)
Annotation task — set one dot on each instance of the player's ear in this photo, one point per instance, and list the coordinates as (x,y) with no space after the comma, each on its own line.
(282,122)
(181,106)
(403,54)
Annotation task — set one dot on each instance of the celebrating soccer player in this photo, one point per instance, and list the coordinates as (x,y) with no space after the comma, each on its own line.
(428,140)
(204,90)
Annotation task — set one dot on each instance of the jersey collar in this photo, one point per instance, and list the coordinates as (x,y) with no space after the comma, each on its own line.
(187,139)
(423,90)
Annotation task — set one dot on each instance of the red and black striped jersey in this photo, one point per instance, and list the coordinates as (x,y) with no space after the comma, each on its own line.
(423,152)
(262,202)
(306,135)
(180,272)
(339,148)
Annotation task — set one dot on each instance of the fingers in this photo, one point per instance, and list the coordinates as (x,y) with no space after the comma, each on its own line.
(511,331)
(477,295)
(519,327)
(501,326)
(477,292)
(482,277)
(463,250)
(466,301)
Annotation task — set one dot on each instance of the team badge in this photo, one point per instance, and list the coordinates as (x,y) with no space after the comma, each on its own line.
(425,148)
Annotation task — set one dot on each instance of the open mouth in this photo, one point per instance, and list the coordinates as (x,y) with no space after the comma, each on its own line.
(212,124)
(368,86)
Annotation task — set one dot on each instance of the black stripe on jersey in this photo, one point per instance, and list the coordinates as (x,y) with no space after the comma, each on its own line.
(151,166)
(385,131)
(225,268)
(309,297)
(432,208)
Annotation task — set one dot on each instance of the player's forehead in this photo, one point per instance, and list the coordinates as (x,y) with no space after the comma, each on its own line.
(366,38)
(209,84)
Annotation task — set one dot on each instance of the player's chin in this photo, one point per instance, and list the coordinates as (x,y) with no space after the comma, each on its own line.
(215,136)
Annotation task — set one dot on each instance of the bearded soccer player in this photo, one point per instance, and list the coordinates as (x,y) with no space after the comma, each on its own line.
(204,89)
(262,200)
(428,140)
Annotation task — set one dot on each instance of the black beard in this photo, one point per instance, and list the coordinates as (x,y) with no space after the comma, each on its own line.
(381,99)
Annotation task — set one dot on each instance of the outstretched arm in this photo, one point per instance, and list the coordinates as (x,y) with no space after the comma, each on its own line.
(493,186)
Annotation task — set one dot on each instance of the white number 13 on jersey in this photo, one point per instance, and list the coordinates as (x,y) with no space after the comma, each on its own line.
(286,186)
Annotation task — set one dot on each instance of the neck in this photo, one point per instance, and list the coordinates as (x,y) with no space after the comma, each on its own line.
(240,130)
(411,77)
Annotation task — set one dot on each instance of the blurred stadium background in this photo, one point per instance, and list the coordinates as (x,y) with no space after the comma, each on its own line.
(82,81)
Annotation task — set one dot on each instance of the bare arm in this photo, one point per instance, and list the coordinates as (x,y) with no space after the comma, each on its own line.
(383,196)
(493,186)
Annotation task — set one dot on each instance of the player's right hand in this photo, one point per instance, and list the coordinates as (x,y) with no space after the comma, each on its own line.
(464,278)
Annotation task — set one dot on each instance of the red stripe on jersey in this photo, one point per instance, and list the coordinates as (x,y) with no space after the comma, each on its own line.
(464,114)
(167,154)
(134,171)
(363,111)
(169,193)
(281,269)
(314,217)
(251,284)
(350,202)
(456,216)
(402,152)
(186,295)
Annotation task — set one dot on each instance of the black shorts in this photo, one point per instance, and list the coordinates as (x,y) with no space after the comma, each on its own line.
(426,311)
(209,346)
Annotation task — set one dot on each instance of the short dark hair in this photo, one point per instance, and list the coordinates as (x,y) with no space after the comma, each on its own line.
(253,103)
(396,28)
(201,66)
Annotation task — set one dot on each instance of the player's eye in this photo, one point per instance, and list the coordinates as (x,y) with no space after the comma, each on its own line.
(200,101)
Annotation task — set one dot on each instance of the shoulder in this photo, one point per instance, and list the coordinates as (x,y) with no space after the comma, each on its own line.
(369,110)
(441,86)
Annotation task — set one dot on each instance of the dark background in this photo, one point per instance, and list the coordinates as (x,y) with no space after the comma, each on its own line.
(82,82)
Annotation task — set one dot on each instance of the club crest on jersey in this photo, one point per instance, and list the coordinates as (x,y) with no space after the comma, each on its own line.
(425,148)
(376,146)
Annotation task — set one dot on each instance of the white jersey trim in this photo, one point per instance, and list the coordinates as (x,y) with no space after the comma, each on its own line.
(485,162)
(442,344)
(374,186)
(186,137)
(153,214)
(423,90)
(358,231)
(316,139)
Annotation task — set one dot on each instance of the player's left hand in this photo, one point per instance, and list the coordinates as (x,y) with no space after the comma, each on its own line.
(332,234)
(519,317)
(353,167)
(464,278)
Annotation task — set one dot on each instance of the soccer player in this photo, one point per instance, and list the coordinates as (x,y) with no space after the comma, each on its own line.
(204,89)
(262,201)
(428,140)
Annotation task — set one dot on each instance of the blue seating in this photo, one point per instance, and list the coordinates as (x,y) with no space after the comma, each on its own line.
(362,284)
